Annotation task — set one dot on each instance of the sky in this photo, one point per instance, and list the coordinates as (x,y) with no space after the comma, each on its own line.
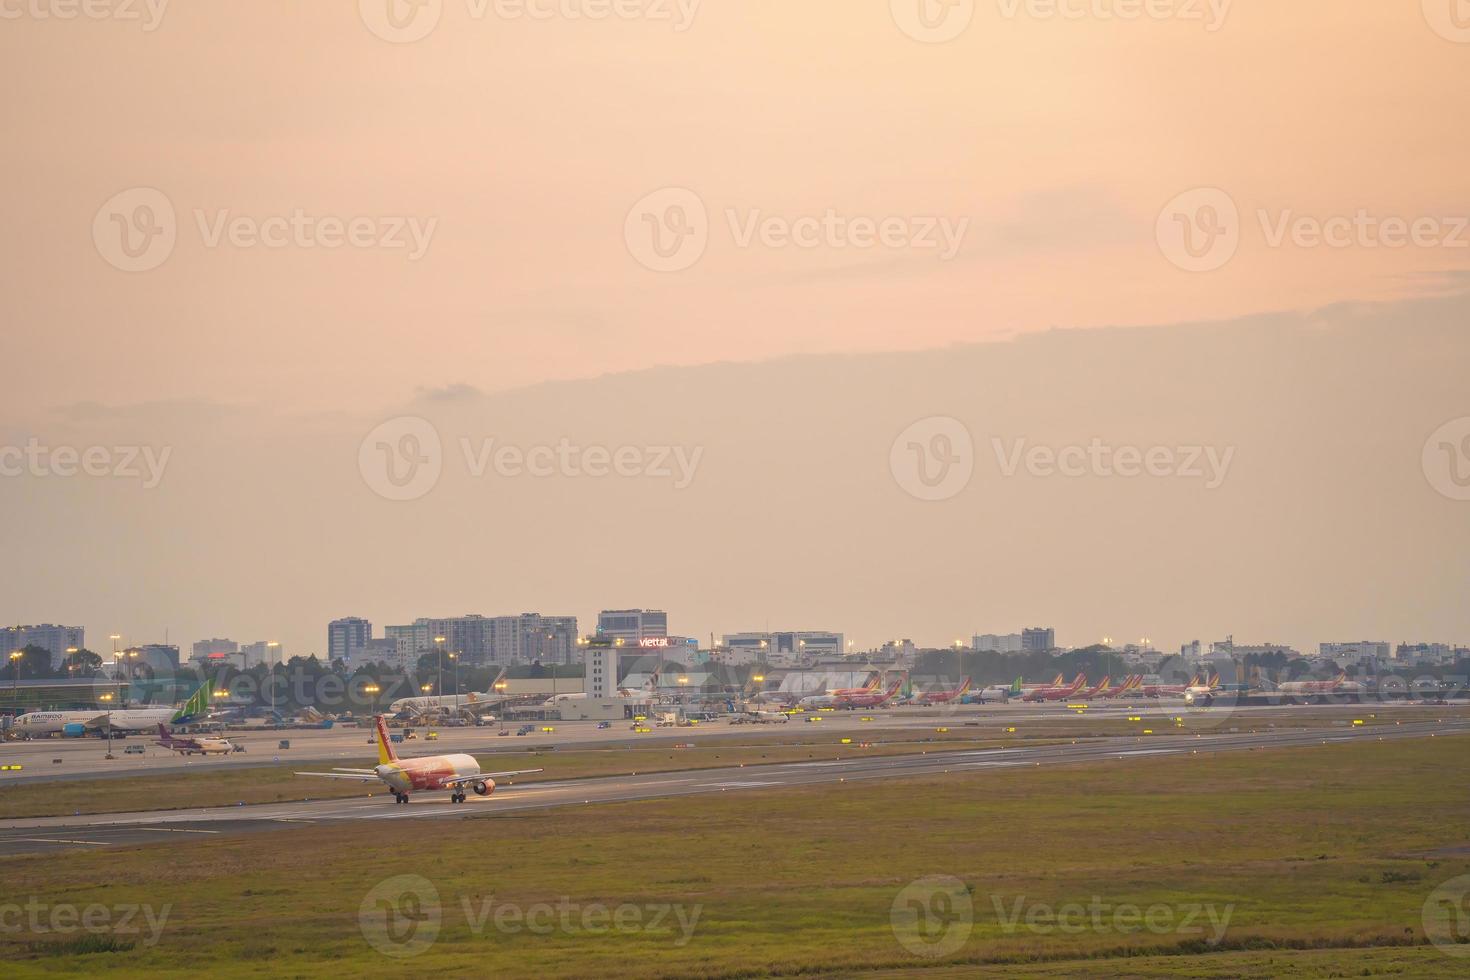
(260,236)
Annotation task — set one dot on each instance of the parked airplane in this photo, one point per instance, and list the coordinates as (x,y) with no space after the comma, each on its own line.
(1056,692)
(192,746)
(944,697)
(125,720)
(1096,691)
(1338,687)
(1132,683)
(1169,690)
(405,776)
(998,692)
(648,693)
(869,699)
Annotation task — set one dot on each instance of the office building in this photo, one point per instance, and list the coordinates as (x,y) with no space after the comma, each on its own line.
(158,658)
(632,626)
(345,637)
(784,648)
(214,650)
(1357,651)
(997,642)
(1038,639)
(55,640)
(261,652)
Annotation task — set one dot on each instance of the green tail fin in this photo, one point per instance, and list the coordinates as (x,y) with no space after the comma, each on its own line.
(197,706)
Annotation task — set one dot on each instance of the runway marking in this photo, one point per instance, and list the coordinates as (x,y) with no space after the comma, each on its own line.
(743,785)
(58,840)
(176,830)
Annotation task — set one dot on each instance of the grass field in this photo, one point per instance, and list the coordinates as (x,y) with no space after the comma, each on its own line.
(1310,862)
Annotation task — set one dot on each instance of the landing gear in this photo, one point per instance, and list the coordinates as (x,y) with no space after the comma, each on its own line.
(400,797)
(456,797)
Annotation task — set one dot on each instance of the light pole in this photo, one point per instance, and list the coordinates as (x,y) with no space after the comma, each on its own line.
(373,690)
(270,655)
(15,658)
(108,698)
(439,648)
(454,669)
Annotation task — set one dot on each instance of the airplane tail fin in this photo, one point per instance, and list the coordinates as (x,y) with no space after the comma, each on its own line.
(197,706)
(163,734)
(1215,679)
(1016,686)
(965,687)
(1057,681)
(385,745)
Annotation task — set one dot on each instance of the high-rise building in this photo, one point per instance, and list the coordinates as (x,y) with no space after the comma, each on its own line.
(997,642)
(346,637)
(632,626)
(499,640)
(1355,651)
(262,652)
(55,640)
(1038,639)
(160,658)
(217,649)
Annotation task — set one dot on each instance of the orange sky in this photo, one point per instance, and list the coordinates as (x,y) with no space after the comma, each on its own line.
(526,142)
(501,180)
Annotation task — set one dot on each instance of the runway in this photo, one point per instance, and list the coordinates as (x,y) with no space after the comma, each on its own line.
(42,834)
(57,758)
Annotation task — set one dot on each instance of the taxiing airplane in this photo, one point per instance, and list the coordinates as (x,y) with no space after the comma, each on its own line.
(193,746)
(430,772)
(1203,694)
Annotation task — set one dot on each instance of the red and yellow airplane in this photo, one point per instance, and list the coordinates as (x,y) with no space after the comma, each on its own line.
(869,699)
(1056,693)
(944,697)
(405,776)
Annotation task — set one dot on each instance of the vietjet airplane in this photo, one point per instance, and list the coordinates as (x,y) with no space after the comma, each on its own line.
(1203,694)
(1339,686)
(404,776)
(869,699)
(1132,683)
(1056,693)
(1169,690)
(190,746)
(1097,691)
(847,692)
(944,697)
(121,719)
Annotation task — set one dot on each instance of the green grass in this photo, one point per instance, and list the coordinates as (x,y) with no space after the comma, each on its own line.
(1323,856)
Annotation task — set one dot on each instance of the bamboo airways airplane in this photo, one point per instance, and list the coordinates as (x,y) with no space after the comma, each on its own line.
(405,776)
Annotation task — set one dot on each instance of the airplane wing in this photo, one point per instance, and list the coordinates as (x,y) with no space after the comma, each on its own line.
(362,777)
(97,723)
(457,780)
